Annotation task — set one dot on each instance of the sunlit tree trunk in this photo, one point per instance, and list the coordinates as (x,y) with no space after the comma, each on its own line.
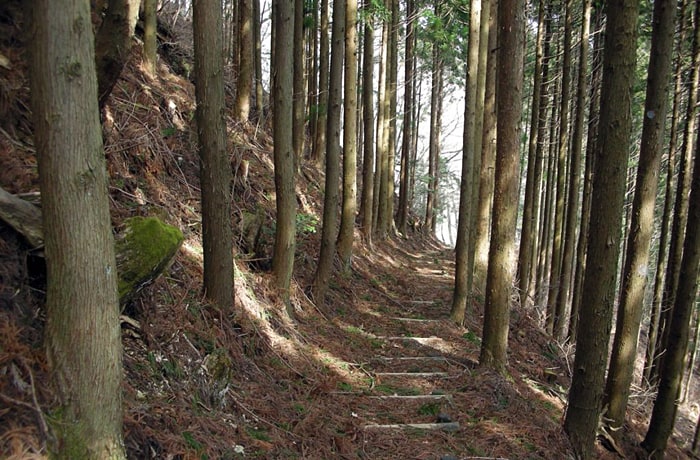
(612,154)
(488,150)
(82,335)
(382,145)
(244,82)
(629,313)
(330,202)
(392,83)
(502,257)
(349,207)
(286,203)
(467,187)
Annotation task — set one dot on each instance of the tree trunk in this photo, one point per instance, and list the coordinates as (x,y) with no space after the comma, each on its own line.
(113,44)
(215,172)
(434,139)
(368,124)
(347,220)
(299,109)
(286,203)
(671,373)
(502,256)
(382,147)
(257,59)
(681,206)
(612,152)
(562,157)
(533,181)
(391,146)
(244,82)
(319,148)
(488,149)
(82,336)
(629,313)
(330,202)
(150,42)
(408,123)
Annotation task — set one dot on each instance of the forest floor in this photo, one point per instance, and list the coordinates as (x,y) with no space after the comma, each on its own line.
(258,381)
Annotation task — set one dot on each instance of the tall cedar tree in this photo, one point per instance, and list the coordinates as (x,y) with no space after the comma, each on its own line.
(330,202)
(349,206)
(612,153)
(434,136)
(286,203)
(215,167)
(488,150)
(629,313)
(244,83)
(298,105)
(83,339)
(368,125)
(502,256)
(318,153)
(466,186)
(408,124)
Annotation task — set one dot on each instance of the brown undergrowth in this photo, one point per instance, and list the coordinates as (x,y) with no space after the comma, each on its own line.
(253,382)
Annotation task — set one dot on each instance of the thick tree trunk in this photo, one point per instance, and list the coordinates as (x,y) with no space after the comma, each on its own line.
(244,82)
(82,336)
(629,313)
(349,207)
(408,124)
(502,256)
(612,152)
(366,207)
(285,234)
(215,172)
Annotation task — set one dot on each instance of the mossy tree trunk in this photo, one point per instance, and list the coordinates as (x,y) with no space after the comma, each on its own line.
(215,167)
(82,333)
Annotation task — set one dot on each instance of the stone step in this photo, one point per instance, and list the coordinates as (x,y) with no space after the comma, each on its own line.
(451,426)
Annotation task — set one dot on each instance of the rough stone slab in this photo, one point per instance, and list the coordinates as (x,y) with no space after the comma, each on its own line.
(452,426)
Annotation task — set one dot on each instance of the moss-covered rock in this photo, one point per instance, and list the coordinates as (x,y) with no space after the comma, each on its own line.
(144,249)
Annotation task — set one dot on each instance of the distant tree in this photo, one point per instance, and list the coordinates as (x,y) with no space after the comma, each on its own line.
(467,187)
(299,98)
(82,335)
(408,123)
(349,206)
(329,233)
(113,44)
(286,203)
(435,134)
(244,83)
(366,206)
(612,152)
(150,43)
(502,257)
(629,312)
(554,309)
(318,152)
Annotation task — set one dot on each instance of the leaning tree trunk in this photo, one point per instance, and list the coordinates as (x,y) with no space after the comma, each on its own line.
(82,335)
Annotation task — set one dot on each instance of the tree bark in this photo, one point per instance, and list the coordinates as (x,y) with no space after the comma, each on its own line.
(366,207)
(408,123)
(612,152)
(215,172)
(319,148)
(631,303)
(150,42)
(82,336)
(502,256)
(244,82)
(286,203)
